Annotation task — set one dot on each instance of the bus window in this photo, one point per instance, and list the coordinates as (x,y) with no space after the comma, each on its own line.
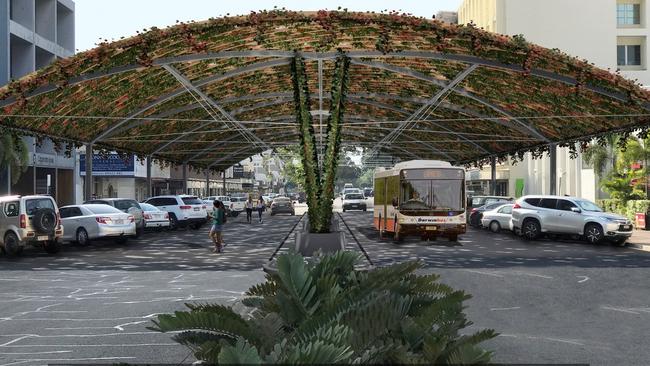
(380,191)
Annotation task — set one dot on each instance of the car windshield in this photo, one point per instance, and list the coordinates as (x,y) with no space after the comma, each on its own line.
(238,199)
(33,205)
(477,201)
(589,206)
(148,207)
(281,199)
(423,194)
(103,209)
(353,196)
(125,205)
(192,201)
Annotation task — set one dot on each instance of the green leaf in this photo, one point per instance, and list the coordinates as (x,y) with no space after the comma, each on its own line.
(242,353)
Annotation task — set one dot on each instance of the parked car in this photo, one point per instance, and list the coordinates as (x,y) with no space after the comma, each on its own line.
(209,204)
(268,200)
(154,218)
(354,201)
(476,214)
(368,192)
(87,222)
(125,205)
(478,201)
(184,210)
(533,216)
(237,206)
(497,218)
(32,220)
(282,204)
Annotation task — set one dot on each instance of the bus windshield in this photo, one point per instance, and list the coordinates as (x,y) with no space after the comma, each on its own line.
(432,194)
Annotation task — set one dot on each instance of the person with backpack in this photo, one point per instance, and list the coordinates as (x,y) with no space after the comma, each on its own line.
(218,220)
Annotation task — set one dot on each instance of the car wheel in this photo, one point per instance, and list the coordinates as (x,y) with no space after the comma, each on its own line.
(196,226)
(12,245)
(495,227)
(594,233)
(52,246)
(122,240)
(343,210)
(619,241)
(234,213)
(82,237)
(173,222)
(139,231)
(453,237)
(531,229)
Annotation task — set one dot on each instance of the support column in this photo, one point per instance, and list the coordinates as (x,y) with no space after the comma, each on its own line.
(553,169)
(207,182)
(149,187)
(88,180)
(225,190)
(184,178)
(493,176)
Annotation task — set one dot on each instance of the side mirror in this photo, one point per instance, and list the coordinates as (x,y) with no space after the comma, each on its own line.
(576,210)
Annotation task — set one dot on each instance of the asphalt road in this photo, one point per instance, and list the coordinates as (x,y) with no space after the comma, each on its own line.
(552,302)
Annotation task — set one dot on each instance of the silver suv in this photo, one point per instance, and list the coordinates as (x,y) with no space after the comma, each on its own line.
(534,215)
(31,220)
(126,205)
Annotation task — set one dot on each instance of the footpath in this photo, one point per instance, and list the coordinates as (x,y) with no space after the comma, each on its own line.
(640,240)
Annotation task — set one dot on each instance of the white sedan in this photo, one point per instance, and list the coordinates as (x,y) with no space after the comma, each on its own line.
(83,223)
(498,218)
(154,218)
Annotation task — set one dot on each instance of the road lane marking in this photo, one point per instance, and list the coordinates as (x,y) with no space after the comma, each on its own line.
(621,310)
(504,309)
(584,279)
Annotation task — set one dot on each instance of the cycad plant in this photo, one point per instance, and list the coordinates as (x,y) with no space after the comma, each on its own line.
(327,312)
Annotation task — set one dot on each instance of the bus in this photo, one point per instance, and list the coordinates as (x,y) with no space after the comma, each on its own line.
(424,198)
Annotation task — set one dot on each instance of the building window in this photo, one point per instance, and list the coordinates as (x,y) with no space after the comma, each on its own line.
(628,14)
(628,55)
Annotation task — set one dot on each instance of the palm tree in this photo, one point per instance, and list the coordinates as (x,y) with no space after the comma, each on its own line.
(601,157)
(14,155)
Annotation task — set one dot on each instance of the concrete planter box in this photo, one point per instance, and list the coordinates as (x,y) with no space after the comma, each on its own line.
(308,243)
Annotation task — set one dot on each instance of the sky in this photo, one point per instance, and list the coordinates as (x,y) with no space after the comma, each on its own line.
(113,19)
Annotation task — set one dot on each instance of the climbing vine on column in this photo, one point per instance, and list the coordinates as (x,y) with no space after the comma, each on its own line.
(319,186)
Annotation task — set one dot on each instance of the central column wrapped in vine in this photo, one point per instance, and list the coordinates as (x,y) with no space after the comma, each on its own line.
(319,186)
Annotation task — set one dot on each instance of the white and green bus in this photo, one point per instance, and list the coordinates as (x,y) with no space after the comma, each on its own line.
(424,198)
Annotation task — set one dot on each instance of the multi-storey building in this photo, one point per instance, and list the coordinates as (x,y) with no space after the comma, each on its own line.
(610,33)
(33,33)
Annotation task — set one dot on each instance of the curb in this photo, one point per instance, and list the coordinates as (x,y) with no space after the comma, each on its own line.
(643,247)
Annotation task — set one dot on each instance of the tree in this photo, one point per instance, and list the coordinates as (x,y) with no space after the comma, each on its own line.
(601,155)
(367,178)
(14,154)
(624,182)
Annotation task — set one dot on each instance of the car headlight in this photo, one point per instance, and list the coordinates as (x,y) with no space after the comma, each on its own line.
(608,219)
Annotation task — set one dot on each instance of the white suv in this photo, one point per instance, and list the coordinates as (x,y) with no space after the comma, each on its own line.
(31,220)
(534,215)
(184,210)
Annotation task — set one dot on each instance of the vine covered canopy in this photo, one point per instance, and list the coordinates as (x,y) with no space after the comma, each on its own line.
(215,92)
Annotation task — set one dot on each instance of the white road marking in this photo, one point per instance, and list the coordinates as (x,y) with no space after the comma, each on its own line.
(483,273)
(19,361)
(34,353)
(96,345)
(503,309)
(584,279)
(121,329)
(620,309)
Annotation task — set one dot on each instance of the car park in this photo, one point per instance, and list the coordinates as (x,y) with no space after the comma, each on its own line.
(32,220)
(354,201)
(154,218)
(533,216)
(282,204)
(476,215)
(84,223)
(184,210)
(498,218)
(125,205)
(479,201)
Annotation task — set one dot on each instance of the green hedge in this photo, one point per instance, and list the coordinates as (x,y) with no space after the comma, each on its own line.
(628,209)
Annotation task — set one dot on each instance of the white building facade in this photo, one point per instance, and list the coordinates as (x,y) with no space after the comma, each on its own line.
(612,34)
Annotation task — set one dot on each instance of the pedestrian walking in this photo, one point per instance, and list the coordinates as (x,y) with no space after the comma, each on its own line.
(260,207)
(218,219)
(249,209)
